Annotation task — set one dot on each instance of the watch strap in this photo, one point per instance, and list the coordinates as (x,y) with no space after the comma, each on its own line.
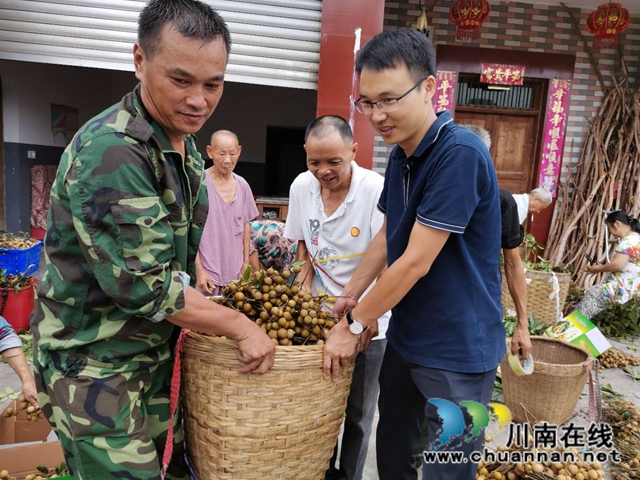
(351,320)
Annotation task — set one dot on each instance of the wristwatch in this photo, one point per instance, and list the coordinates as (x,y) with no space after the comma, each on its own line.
(355,326)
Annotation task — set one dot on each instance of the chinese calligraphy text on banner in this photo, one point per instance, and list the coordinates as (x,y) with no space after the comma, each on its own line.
(445,91)
(501,74)
(554,130)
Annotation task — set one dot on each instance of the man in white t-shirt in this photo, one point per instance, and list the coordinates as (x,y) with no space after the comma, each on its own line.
(533,202)
(333,216)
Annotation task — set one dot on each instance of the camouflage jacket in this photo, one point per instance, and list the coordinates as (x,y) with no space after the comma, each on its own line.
(123,231)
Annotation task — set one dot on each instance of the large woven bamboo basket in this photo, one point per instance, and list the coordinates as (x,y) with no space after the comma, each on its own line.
(540,285)
(280,425)
(552,391)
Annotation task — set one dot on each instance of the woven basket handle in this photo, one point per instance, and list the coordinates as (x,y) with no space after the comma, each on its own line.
(595,395)
(173,401)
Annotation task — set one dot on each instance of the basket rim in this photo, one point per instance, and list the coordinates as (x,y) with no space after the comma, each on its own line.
(587,361)
(228,342)
(559,275)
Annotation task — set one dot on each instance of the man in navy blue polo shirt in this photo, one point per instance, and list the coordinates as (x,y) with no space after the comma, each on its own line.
(442,245)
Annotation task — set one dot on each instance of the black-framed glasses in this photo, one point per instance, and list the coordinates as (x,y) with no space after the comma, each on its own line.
(386,104)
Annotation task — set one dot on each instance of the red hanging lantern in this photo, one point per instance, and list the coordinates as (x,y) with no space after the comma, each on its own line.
(605,24)
(468,15)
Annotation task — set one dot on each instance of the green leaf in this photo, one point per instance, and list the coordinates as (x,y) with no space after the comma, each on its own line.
(633,373)
(3,397)
(13,396)
(9,390)
(44,470)
(609,392)
(497,395)
(298,263)
(261,280)
(247,274)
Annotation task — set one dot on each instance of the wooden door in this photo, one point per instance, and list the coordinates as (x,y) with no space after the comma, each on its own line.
(2,208)
(512,145)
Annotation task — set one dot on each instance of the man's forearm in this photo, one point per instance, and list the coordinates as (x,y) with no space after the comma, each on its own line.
(198,262)
(517,284)
(371,266)
(206,316)
(391,287)
(425,244)
(246,243)
(18,362)
(306,270)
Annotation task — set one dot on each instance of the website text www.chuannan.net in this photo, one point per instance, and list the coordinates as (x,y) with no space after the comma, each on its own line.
(491,456)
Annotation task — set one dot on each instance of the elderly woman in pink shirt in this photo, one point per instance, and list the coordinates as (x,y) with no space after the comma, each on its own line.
(224,248)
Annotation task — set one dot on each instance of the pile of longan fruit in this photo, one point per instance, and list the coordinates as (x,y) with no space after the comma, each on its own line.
(33,414)
(628,470)
(5,475)
(624,417)
(538,471)
(275,302)
(16,242)
(555,470)
(614,358)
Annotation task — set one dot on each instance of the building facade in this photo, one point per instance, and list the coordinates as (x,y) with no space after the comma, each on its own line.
(543,38)
(293,60)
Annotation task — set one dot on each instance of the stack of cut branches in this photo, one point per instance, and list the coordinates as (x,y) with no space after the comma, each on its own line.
(607,177)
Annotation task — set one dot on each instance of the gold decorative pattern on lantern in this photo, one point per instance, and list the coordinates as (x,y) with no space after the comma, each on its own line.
(468,15)
(606,22)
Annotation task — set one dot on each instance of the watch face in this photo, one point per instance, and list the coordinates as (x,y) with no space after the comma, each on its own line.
(356,328)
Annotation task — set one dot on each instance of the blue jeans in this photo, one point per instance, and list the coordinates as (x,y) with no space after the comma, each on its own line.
(404,390)
(361,408)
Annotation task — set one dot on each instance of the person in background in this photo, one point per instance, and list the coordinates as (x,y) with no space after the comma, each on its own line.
(11,351)
(224,250)
(333,217)
(512,238)
(269,247)
(533,202)
(127,212)
(442,246)
(623,282)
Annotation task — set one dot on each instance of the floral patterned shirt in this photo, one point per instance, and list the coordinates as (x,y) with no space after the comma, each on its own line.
(624,285)
(274,250)
(8,337)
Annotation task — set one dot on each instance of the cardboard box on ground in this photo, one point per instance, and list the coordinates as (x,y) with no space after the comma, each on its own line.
(24,446)
(579,330)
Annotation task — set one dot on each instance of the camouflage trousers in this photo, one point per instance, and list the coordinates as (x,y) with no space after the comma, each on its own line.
(112,423)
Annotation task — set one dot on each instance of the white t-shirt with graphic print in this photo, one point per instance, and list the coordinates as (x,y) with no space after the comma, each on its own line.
(338,242)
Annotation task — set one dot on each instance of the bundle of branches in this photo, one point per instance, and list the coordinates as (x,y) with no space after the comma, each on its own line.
(607,177)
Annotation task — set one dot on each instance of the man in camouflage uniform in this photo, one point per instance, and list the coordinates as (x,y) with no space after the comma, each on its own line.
(127,211)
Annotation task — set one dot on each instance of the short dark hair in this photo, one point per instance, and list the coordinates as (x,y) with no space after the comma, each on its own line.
(393,48)
(625,219)
(192,18)
(327,124)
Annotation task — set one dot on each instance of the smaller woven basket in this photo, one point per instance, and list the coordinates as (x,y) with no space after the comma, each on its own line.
(280,425)
(552,391)
(540,286)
